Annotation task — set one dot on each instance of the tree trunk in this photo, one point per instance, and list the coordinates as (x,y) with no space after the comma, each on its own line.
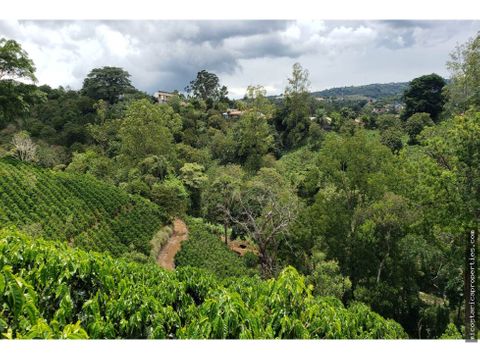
(380,267)
(379,272)
(458,313)
(266,262)
(225,231)
(266,267)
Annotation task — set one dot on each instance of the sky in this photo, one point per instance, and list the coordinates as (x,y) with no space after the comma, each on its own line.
(167,54)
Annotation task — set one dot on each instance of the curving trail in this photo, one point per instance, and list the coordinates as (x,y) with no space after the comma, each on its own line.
(167,255)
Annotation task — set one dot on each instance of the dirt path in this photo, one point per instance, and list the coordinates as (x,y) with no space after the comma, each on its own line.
(167,255)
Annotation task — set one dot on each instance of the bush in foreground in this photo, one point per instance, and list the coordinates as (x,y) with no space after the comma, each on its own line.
(49,290)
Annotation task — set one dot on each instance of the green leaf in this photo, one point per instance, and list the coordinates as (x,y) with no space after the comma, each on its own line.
(15,297)
(74,331)
(2,284)
(3,325)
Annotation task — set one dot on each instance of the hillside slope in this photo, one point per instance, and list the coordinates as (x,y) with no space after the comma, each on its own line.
(76,208)
(49,290)
(371,91)
(205,250)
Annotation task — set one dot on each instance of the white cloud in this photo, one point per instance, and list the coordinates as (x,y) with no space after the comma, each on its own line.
(117,44)
(167,54)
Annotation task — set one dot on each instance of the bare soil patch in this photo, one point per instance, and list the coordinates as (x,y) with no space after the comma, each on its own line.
(166,257)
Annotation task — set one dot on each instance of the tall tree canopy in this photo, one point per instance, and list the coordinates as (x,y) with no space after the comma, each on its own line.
(107,83)
(145,131)
(294,121)
(16,97)
(14,62)
(424,95)
(207,86)
(464,88)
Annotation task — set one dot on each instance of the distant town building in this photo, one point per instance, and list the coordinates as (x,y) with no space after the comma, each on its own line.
(162,96)
(232,113)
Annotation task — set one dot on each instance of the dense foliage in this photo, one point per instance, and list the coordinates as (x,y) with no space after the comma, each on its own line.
(464,66)
(424,95)
(107,83)
(204,249)
(48,290)
(79,209)
(372,91)
(371,197)
(16,96)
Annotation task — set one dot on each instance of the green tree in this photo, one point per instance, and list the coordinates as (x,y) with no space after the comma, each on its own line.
(315,136)
(249,139)
(145,131)
(392,138)
(267,206)
(63,118)
(107,83)
(415,124)
(221,194)
(451,333)
(381,227)
(327,278)
(424,94)
(194,178)
(254,139)
(171,195)
(16,97)
(293,122)
(359,166)
(14,62)
(464,66)
(223,146)
(387,121)
(455,147)
(106,135)
(255,100)
(207,86)
(354,172)
(91,162)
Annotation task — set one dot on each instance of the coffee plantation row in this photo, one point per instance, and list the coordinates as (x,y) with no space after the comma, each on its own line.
(50,290)
(76,208)
(205,250)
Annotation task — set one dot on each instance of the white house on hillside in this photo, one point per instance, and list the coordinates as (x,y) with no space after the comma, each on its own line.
(162,96)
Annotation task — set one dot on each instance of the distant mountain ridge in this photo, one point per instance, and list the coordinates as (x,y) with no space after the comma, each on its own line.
(371,91)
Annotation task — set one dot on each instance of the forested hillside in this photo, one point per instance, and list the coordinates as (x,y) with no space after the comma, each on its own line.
(77,209)
(371,91)
(349,212)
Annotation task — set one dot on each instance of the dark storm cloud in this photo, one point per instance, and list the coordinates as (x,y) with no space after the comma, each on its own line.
(397,34)
(168,54)
(217,31)
(406,24)
(198,31)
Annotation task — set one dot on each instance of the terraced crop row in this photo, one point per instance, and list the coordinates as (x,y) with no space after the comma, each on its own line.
(205,250)
(76,208)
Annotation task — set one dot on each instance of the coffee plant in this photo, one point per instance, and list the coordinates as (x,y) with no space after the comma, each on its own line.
(50,290)
(204,249)
(76,208)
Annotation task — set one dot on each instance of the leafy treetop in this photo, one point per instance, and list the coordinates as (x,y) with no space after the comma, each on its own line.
(14,61)
(107,83)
